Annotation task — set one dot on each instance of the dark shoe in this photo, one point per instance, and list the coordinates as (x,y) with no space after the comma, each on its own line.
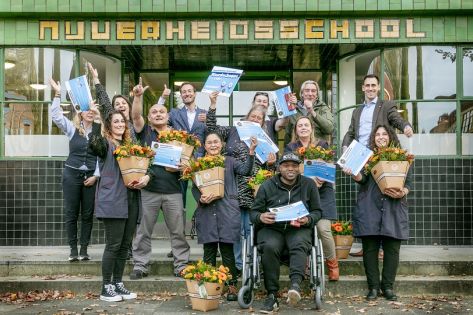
(357,254)
(137,274)
(109,295)
(124,292)
(232,293)
(74,255)
(270,305)
(372,295)
(83,253)
(170,255)
(389,295)
(294,294)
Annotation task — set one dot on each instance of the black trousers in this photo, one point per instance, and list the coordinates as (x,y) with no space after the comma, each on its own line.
(118,238)
(391,247)
(78,199)
(272,244)
(228,258)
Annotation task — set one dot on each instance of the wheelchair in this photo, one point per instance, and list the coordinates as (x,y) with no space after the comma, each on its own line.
(251,275)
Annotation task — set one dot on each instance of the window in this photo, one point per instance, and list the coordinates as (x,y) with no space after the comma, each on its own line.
(467,127)
(28,127)
(468,72)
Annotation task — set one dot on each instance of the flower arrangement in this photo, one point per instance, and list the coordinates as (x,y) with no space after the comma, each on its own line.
(390,153)
(314,152)
(259,178)
(342,228)
(202,272)
(179,135)
(201,164)
(132,149)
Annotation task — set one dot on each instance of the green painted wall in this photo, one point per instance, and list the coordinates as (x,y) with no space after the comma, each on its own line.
(161,7)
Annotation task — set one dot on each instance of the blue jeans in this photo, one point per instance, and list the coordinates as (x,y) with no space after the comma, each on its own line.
(244,232)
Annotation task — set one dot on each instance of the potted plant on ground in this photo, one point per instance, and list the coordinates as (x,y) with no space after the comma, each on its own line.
(133,160)
(207,173)
(259,178)
(389,166)
(181,138)
(204,284)
(342,232)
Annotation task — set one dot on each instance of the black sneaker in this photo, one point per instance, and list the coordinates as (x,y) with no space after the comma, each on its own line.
(270,305)
(123,292)
(170,255)
(137,274)
(109,295)
(74,255)
(294,294)
(83,253)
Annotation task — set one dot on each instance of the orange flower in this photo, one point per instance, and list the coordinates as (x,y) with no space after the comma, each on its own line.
(338,228)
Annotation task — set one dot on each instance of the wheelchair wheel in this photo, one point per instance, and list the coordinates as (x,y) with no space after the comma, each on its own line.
(245,295)
(318,298)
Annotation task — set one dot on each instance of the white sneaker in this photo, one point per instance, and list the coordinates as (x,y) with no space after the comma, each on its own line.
(123,292)
(294,295)
(109,294)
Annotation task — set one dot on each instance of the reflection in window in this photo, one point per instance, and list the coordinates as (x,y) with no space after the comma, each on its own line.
(29,78)
(434,124)
(420,72)
(467,127)
(468,72)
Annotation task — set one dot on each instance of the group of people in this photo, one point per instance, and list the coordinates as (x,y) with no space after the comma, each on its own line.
(129,211)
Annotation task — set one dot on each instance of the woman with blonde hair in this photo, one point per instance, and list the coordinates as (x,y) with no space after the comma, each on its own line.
(79,175)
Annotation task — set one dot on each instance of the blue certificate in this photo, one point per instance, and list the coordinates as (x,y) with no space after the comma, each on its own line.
(167,155)
(321,169)
(79,93)
(290,212)
(284,107)
(223,80)
(355,157)
(248,129)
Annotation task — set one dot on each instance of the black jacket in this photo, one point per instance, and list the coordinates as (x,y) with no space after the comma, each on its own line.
(272,194)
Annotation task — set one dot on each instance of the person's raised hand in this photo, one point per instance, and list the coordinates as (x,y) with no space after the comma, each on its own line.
(138,89)
(408,131)
(253,145)
(56,86)
(271,158)
(166,91)
(93,71)
(213,98)
(293,98)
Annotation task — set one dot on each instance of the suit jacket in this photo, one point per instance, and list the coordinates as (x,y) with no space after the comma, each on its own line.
(385,113)
(178,120)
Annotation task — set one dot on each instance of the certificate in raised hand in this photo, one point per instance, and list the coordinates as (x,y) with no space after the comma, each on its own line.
(355,157)
(321,169)
(290,212)
(284,107)
(248,129)
(223,80)
(79,93)
(167,155)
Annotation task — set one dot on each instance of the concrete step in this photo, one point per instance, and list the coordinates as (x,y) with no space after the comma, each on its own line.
(347,286)
(165,268)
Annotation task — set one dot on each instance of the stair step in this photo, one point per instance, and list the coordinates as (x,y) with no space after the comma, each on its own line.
(346,286)
(165,268)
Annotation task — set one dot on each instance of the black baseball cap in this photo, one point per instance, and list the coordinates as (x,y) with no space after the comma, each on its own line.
(289,157)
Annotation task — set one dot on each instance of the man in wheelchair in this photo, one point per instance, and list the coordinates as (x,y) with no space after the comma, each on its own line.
(287,187)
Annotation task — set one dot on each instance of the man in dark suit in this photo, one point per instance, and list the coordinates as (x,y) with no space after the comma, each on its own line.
(373,112)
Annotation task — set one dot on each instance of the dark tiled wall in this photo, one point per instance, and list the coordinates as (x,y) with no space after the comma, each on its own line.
(31,211)
(440,203)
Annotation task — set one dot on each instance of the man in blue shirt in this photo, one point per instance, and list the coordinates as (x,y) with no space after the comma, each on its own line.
(372,113)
